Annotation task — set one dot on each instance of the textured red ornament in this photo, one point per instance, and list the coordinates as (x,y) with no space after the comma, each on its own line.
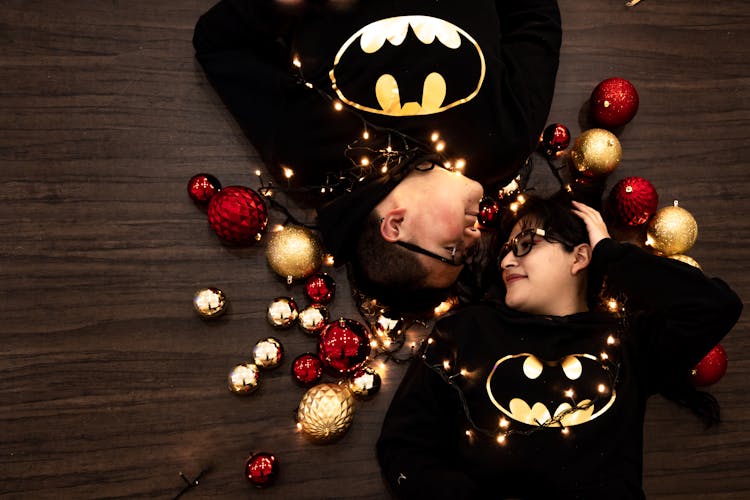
(261,469)
(237,214)
(344,346)
(711,368)
(201,187)
(633,201)
(614,102)
(555,139)
(307,369)
(489,211)
(320,288)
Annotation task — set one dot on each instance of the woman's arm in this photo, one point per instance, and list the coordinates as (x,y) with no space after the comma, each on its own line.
(417,448)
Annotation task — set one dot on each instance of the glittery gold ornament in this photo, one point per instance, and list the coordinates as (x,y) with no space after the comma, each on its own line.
(325,412)
(671,231)
(244,379)
(268,353)
(686,259)
(209,302)
(294,253)
(365,383)
(596,153)
(282,312)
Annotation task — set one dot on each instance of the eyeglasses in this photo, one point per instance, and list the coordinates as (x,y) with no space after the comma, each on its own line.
(524,241)
(452,261)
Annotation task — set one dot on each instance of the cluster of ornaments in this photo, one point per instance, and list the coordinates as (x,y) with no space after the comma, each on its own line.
(633,202)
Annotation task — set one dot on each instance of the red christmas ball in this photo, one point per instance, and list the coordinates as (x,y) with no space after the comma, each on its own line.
(201,187)
(307,369)
(633,201)
(555,139)
(489,212)
(711,368)
(614,102)
(320,288)
(237,214)
(261,469)
(344,346)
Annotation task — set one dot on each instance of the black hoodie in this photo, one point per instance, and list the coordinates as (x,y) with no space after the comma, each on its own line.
(515,362)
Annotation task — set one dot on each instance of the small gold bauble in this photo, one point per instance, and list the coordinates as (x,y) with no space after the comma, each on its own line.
(282,312)
(326,412)
(365,383)
(671,231)
(209,302)
(244,379)
(596,153)
(686,259)
(294,252)
(313,318)
(268,353)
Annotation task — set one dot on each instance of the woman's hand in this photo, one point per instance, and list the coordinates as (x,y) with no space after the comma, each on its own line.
(594,223)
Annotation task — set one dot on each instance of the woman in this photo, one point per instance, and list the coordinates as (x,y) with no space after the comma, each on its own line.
(532,393)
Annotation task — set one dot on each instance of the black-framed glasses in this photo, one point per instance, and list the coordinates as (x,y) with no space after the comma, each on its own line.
(523,242)
(452,261)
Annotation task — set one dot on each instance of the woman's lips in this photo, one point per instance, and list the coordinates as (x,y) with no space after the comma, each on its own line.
(511,278)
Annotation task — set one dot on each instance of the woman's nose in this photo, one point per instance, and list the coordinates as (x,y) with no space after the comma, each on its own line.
(508,261)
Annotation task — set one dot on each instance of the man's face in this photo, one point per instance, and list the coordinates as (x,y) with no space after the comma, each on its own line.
(441,217)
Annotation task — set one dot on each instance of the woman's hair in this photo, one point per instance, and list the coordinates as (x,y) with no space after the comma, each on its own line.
(551,214)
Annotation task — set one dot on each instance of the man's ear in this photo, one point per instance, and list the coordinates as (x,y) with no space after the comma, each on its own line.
(582,258)
(390,224)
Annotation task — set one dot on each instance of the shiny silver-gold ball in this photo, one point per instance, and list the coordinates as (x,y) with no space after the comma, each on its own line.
(313,318)
(268,353)
(209,302)
(294,252)
(282,312)
(244,379)
(596,153)
(326,412)
(365,383)
(687,260)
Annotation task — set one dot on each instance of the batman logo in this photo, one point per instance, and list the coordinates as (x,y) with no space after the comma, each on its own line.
(570,391)
(407,66)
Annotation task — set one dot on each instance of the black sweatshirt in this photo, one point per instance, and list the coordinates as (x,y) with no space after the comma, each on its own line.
(496,60)
(513,360)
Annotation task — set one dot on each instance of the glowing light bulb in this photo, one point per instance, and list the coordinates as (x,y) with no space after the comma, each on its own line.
(460,163)
(468,433)
(288,172)
(299,426)
(257,172)
(613,305)
(338,106)
(504,423)
(296,62)
(513,207)
(610,340)
(364,161)
(435,136)
(373,344)
(365,135)
(604,356)
(521,199)
(430,340)
(501,439)
(384,169)
(382,366)
(440,146)
(463,372)
(308,85)
(569,393)
(565,431)
(328,260)
(446,365)
(602,388)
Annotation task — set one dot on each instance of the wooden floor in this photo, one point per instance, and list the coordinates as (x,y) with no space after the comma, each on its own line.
(110,385)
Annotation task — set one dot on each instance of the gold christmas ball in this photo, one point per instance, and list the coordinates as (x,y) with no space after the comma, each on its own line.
(596,153)
(294,252)
(672,231)
(209,302)
(365,383)
(268,353)
(687,260)
(313,319)
(325,412)
(244,379)
(282,312)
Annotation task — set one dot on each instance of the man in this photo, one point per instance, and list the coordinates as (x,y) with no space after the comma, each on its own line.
(348,95)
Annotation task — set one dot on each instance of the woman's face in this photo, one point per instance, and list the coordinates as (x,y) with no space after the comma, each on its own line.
(543,280)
